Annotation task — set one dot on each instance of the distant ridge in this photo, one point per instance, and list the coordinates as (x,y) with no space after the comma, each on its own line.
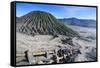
(40,22)
(79,22)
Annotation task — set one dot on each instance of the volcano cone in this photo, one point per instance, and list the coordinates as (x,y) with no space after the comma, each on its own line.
(40,22)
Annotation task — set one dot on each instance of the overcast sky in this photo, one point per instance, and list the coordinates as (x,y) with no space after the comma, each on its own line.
(58,11)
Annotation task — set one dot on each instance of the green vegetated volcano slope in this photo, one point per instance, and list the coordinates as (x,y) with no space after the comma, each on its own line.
(40,22)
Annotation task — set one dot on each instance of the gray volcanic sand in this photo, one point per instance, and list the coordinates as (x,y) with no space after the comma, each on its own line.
(46,42)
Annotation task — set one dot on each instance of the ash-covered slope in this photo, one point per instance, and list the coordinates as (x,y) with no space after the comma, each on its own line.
(40,22)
